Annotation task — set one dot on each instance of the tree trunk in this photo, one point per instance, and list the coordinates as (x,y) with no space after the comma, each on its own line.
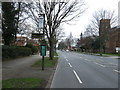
(51,49)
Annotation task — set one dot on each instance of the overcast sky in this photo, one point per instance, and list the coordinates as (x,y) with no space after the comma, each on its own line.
(93,5)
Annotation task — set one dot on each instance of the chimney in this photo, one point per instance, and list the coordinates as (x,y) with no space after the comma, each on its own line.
(104,25)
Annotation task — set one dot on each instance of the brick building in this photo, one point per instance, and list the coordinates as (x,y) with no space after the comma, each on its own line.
(113,41)
(21,41)
(110,39)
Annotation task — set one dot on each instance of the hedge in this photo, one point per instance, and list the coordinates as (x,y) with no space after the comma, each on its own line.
(9,52)
(34,49)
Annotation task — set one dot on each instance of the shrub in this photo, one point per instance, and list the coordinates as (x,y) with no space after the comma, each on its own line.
(34,49)
(14,52)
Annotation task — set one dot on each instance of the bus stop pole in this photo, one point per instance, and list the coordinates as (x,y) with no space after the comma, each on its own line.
(42,62)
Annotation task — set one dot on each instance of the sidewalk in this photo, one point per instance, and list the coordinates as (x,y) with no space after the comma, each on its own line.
(21,68)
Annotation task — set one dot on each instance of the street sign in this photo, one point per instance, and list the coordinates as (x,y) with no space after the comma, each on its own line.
(43,50)
(37,35)
(41,20)
(117,49)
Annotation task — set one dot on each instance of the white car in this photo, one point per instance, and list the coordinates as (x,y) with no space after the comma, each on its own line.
(67,50)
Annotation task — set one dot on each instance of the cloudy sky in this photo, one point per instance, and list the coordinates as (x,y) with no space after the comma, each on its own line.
(93,5)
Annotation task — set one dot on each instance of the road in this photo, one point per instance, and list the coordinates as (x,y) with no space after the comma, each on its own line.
(77,70)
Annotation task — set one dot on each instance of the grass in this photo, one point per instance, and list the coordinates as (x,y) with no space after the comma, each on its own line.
(55,54)
(112,54)
(47,62)
(22,83)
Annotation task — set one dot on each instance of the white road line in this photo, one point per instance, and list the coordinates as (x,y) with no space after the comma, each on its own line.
(99,64)
(87,60)
(66,60)
(114,64)
(70,65)
(77,76)
(116,71)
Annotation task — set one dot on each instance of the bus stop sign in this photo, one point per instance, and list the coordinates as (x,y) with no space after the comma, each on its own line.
(43,50)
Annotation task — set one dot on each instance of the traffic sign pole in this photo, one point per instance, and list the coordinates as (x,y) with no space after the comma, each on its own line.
(42,62)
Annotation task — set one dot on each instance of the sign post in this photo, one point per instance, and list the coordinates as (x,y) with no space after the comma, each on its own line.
(43,53)
(41,36)
(43,46)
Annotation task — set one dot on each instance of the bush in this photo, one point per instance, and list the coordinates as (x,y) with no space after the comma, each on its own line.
(34,49)
(14,52)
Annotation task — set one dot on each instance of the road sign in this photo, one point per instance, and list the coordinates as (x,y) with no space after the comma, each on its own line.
(37,35)
(43,50)
(41,21)
(117,49)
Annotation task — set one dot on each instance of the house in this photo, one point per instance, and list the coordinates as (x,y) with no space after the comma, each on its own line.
(21,41)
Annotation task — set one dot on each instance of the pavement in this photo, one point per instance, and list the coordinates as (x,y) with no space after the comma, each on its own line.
(21,68)
(77,70)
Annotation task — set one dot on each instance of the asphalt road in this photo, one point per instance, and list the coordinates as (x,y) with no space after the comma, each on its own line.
(77,70)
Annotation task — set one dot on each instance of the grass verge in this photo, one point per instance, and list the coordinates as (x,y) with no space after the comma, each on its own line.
(98,54)
(55,54)
(22,83)
(112,54)
(47,62)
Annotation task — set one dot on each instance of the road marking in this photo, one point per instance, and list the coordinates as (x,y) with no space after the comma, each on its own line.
(70,65)
(99,64)
(80,57)
(114,64)
(87,60)
(66,60)
(77,76)
(116,71)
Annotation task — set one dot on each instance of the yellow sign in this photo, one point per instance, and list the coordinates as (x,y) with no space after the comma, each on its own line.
(37,35)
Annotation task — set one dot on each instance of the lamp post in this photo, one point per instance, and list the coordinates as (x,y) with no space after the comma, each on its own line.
(42,46)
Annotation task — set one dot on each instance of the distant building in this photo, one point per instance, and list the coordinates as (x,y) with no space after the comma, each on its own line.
(33,42)
(113,41)
(109,36)
(21,41)
(104,26)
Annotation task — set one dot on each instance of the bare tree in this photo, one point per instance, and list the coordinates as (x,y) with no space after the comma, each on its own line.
(59,35)
(26,29)
(97,16)
(90,31)
(55,14)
